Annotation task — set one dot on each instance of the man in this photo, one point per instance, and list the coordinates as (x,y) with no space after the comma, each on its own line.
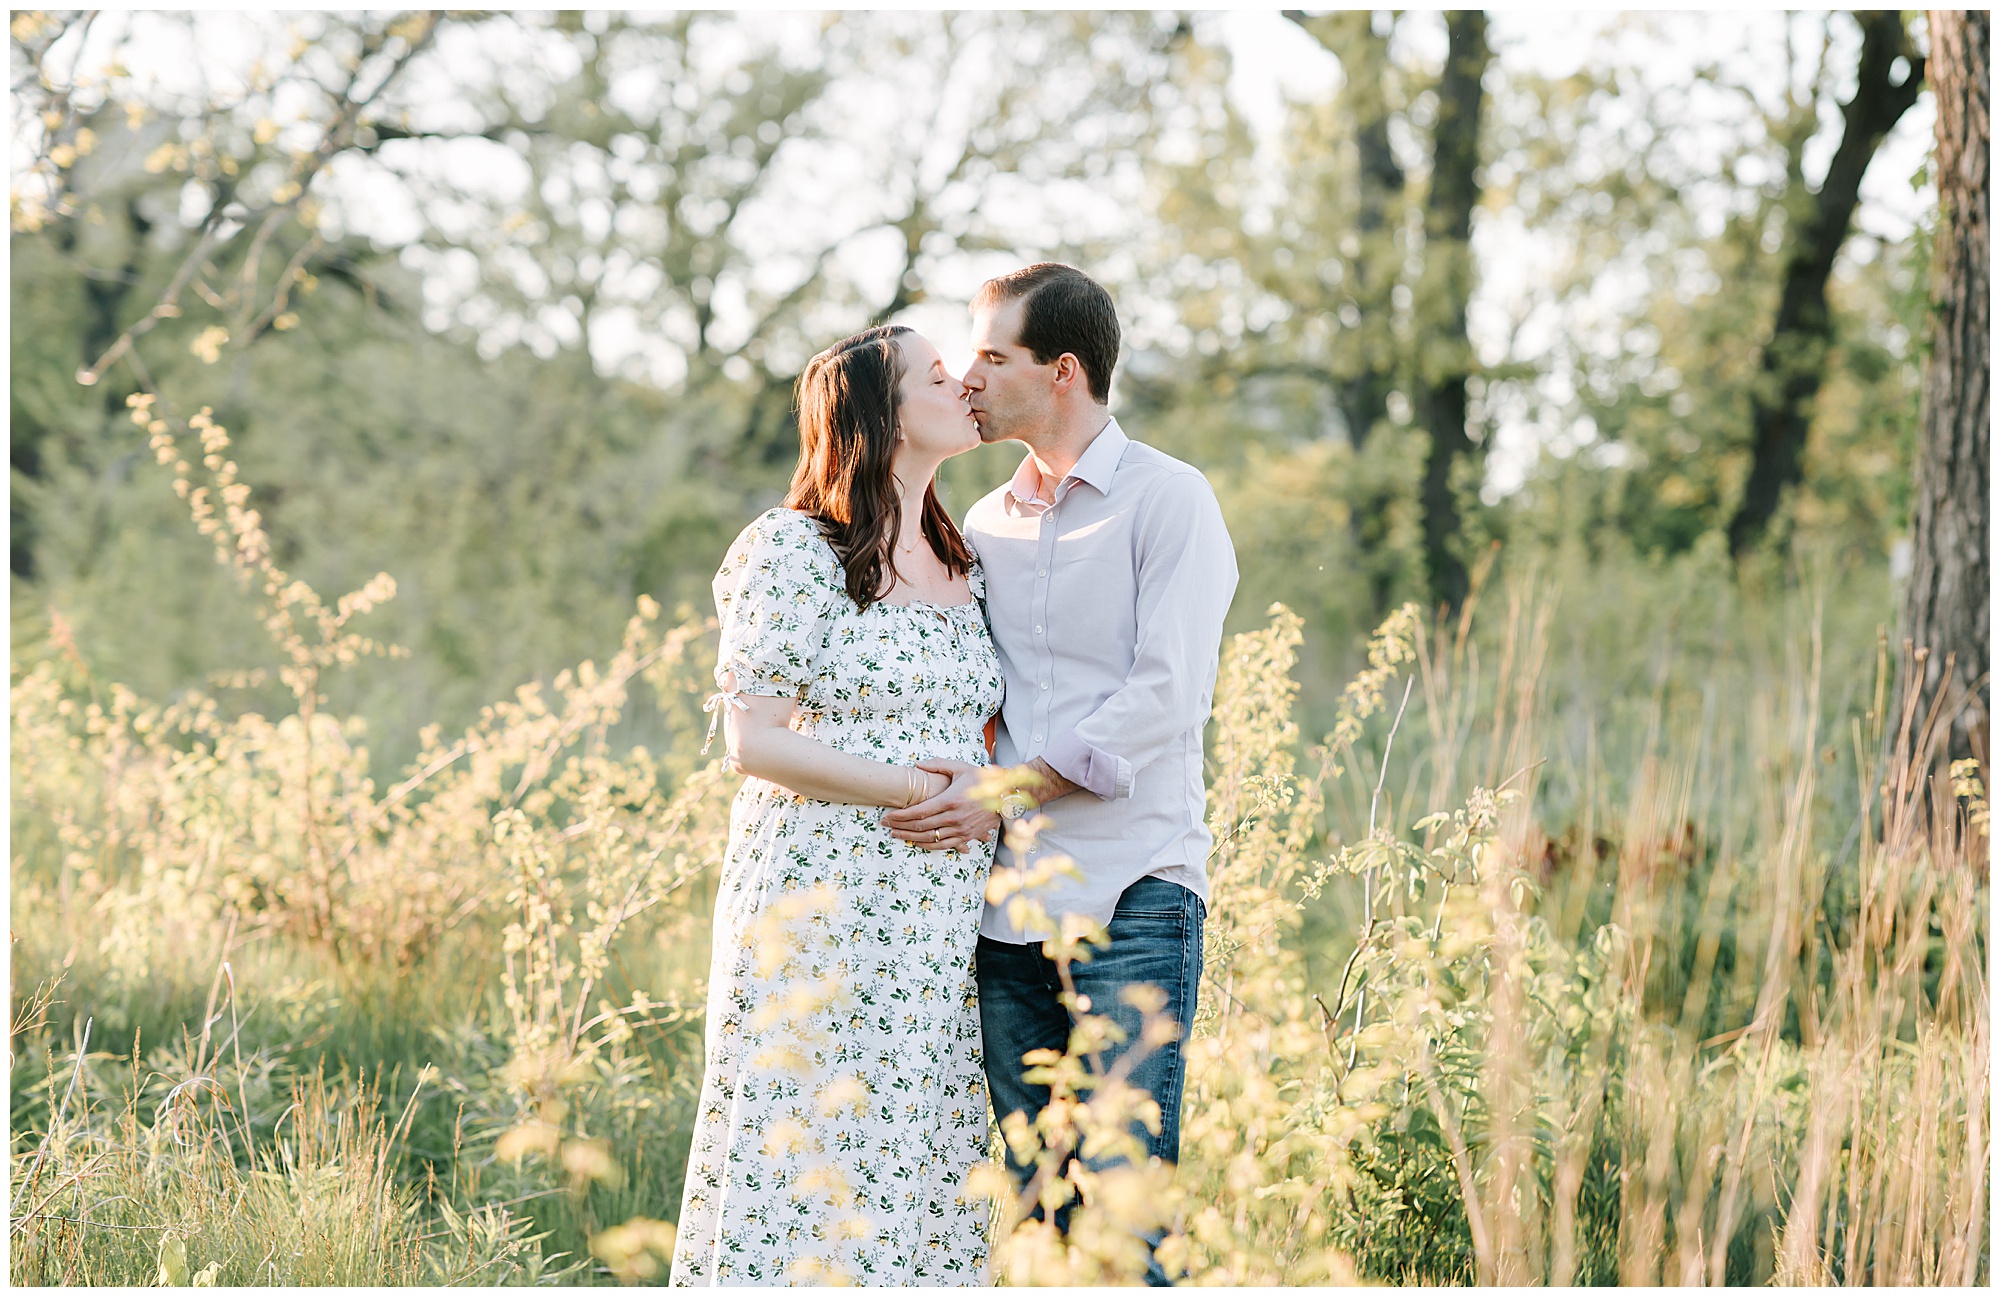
(1108,573)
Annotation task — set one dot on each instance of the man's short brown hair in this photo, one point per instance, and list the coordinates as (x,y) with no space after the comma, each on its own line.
(1062,310)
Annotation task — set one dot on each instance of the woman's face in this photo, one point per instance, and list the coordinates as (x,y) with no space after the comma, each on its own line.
(932,409)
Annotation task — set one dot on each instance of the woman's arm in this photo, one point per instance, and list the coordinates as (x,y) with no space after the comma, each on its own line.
(761,742)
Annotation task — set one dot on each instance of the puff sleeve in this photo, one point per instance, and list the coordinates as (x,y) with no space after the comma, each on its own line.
(778,594)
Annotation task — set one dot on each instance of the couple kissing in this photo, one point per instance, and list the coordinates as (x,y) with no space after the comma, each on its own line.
(864,1001)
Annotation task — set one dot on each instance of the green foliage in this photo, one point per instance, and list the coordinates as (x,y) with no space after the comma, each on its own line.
(1681,245)
(441,411)
(518,522)
(1475,1084)
(1597,941)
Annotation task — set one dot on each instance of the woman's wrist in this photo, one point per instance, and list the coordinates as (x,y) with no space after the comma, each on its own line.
(919,786)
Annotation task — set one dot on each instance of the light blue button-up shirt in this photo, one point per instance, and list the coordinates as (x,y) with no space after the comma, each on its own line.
(1107,606)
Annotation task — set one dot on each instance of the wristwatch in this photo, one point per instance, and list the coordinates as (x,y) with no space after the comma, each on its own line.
(1015,804)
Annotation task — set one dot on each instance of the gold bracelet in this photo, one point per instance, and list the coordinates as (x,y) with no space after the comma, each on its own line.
(910,788)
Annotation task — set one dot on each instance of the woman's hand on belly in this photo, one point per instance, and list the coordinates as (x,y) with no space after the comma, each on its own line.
(949,820)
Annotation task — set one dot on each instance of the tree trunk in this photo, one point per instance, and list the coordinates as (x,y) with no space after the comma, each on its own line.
(1945,608)
(1795,357)
(1444,359)
(1370,364)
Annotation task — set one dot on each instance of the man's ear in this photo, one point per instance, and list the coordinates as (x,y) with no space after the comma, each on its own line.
(1068,372)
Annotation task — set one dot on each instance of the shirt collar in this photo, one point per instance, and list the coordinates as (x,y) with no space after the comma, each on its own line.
(1097,465)
(1099,462)
(1027,481)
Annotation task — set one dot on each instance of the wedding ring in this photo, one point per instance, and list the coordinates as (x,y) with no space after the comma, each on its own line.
(939,833)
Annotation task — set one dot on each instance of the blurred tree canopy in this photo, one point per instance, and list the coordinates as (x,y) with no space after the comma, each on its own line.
(509,305)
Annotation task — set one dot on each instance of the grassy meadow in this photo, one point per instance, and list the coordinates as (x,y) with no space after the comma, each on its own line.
(1628,924)
(1621,929)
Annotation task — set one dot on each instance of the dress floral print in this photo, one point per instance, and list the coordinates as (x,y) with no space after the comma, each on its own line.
(843,1103)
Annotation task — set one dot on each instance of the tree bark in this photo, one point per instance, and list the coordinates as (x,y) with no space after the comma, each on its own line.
(1945,606)
(1795,357)
(1444,359)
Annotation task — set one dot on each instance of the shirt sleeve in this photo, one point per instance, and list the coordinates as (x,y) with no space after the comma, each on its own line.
(778,595)
(1186,576)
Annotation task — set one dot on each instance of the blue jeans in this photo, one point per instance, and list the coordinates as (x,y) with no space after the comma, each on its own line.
(1156,939)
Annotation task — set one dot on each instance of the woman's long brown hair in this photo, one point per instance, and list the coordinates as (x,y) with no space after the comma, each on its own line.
(848,429)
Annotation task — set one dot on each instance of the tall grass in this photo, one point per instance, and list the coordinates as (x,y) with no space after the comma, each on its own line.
(1634,1048)
(1621,929)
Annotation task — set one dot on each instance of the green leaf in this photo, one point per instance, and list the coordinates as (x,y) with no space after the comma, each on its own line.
(173,1263)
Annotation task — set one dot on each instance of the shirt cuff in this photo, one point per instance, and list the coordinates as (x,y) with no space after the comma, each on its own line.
(1090,768)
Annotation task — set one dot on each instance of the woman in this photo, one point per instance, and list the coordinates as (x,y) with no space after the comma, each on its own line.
(843,1103)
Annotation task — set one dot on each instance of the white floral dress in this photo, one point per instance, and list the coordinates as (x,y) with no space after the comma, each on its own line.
(843,1104)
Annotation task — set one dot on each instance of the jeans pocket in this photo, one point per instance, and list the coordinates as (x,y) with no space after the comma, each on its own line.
(1153,898)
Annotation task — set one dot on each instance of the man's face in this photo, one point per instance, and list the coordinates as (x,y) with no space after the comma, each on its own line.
(1011,391)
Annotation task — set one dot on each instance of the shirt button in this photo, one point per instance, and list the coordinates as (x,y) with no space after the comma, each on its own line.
(1038,738)
(1042,572)
(1038,630)
(1045,684)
